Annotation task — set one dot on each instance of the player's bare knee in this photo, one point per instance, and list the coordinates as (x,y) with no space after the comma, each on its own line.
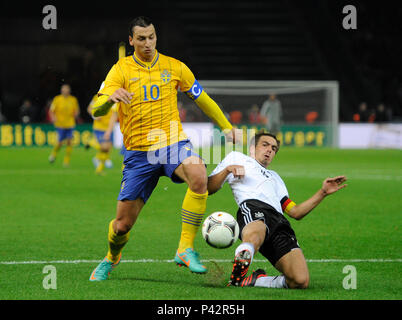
(302,283)
(198,183)
(299,281)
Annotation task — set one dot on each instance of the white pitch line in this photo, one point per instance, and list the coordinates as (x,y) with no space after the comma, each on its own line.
(286,173)
(205,260)
(350,177)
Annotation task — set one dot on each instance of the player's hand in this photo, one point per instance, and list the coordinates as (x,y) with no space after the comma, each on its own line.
(331,185)
(235,135)
(121,95)
(236,170)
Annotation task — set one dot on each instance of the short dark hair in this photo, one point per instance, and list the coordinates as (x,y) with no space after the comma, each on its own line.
(254,140)
(140,21)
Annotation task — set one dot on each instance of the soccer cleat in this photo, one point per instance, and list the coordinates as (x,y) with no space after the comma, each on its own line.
(241,264)
(52,158)
(190,259)
(250,280)
(103,270)
(108,164)
(95,161)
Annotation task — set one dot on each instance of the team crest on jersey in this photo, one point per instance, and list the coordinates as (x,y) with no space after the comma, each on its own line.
(166,76)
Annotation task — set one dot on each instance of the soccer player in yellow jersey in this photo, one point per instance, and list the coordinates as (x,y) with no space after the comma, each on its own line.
(103,132)
(146,84)
(63,112)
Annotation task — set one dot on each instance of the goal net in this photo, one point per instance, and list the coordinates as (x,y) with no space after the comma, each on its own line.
(307,107)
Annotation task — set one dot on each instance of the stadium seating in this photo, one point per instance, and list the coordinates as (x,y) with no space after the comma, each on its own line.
(265,42)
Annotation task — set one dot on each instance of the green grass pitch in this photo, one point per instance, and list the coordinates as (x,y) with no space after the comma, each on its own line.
(50,215)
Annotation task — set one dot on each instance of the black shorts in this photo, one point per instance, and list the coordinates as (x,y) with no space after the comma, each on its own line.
(279,238)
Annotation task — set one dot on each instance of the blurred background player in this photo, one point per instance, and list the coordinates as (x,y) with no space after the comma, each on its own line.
(146,84)
(271,114)
(63,112)
(103,129)
(103,136)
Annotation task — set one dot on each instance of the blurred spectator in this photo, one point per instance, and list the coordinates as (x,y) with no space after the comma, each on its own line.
(235,116)
(46,116)
(227,115)
(182,111)
(193,114)
(271,114)
(382,114)
(363,114)
(254,115)
(311,117)
(27,113)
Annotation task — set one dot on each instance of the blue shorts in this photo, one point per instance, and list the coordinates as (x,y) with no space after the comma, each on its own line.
(99,136)
(122,150)
(143,169)
(63,133)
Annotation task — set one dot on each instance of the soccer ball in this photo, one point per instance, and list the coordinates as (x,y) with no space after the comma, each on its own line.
(220,230)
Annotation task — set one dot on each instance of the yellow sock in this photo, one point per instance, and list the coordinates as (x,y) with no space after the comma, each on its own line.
(100,167)
(55,151)
(67,157)
(193,209)
(102,157)
(116,243)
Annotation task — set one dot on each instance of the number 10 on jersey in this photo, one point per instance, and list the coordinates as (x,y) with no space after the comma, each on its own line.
(153,92)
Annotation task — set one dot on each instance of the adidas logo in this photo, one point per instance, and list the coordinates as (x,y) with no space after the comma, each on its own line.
(259,215)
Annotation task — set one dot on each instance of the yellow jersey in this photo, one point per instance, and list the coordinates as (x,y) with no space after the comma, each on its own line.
(65,109)
(151,121)
(102,123)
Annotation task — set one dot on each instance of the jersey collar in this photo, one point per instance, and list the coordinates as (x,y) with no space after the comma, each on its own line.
(259,163)
(146,65)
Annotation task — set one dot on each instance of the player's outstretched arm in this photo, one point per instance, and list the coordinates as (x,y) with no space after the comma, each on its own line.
(216,181)
(329,186)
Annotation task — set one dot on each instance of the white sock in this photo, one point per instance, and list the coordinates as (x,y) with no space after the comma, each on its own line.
(271,282)
(246,246)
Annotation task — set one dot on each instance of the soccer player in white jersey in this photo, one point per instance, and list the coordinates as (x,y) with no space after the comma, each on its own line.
(262,198)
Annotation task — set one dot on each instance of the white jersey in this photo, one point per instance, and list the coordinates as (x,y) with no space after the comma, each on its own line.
(258,182)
